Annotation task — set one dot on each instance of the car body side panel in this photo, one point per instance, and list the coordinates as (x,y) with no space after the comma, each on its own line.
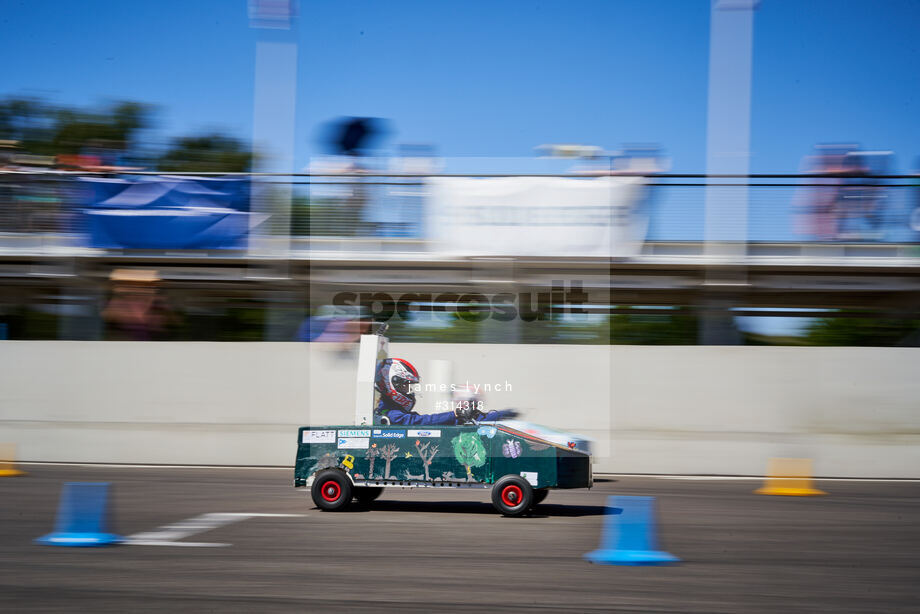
(443,455)
(469,455)
(515,454)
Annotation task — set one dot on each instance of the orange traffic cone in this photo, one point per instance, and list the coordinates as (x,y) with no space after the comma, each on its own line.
(790,477)
(8,460)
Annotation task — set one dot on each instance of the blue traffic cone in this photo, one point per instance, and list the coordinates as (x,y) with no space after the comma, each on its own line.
(628,537)
(82,517)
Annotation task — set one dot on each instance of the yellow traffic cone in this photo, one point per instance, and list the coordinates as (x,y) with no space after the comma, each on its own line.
(8,460)
(790,477)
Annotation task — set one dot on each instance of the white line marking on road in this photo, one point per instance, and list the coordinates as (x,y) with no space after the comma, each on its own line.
(140,542)
(168,535)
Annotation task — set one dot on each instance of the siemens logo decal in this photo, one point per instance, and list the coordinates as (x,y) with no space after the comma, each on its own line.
(354,433)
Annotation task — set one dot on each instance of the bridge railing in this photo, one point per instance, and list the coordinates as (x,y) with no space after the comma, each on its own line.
(386,211)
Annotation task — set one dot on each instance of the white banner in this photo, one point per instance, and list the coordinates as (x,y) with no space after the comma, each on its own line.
(536,216)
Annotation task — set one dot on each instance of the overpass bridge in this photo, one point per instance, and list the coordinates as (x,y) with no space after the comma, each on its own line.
(762,279)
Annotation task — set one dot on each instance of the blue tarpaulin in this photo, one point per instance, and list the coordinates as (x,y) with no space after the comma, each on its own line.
(166,212)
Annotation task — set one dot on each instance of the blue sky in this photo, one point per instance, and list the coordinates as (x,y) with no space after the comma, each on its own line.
(490,78)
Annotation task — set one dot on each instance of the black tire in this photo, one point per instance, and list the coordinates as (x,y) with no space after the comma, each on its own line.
(366,494)
(512,495)
(331,490)
(539,495)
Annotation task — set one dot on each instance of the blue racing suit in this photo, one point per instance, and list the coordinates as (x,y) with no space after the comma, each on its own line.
(398,415)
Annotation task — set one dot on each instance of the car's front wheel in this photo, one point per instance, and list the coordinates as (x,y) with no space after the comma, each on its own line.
(512,495)
(331,491)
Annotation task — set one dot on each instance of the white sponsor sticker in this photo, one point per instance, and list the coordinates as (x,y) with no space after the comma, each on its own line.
(319,436)
(346,443)
(384,434)
(530,476)
(424,433)
(355,433)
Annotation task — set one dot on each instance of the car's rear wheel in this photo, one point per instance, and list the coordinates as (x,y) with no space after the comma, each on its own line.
(512,495)
(331,491)
(366,494)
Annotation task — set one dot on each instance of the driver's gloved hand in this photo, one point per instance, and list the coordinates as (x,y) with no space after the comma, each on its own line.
(465,415)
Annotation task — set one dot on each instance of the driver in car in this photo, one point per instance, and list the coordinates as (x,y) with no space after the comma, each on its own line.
(394,380)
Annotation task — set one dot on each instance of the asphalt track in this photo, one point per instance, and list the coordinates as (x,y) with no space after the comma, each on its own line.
(854,550)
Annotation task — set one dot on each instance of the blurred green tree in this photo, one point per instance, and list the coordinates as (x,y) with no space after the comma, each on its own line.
(678,326)
(850,331)
(113,129)
(207,153)
(27,121)
(42,128)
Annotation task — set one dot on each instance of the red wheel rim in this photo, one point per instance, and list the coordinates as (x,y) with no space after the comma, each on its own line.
(331,491)
(512,495)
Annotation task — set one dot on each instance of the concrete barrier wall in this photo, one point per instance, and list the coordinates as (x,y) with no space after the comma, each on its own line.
(650,409)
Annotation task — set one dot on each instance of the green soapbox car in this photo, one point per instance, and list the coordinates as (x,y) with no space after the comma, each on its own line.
(344,463)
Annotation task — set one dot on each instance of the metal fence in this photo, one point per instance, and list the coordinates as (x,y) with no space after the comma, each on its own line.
(780,208)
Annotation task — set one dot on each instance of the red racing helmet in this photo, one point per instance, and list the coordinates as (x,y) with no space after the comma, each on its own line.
(394,380)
